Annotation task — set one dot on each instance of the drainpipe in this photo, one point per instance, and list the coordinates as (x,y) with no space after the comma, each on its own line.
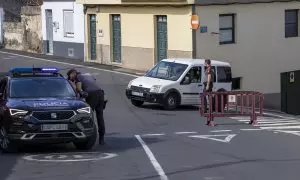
(194,31)
(84,33)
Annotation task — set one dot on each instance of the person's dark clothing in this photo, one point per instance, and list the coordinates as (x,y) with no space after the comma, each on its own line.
(88,82)
(208,71)
(95,99)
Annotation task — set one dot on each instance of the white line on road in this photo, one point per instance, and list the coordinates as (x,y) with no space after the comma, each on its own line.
(193,132)
(281,127)
(65,63)
(220,131)
(250,129)
(162,134)
(279,124)
(272,122)
(265,120)
(152,158)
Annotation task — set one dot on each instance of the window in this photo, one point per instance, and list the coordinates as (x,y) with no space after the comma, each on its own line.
(214,69)
(236,83)
(167,70)
(226,29)
(41,88)
(68,23)
(291,23)
(224,74)
(193,76)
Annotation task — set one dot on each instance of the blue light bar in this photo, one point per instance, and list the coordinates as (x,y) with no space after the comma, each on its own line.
(35,70)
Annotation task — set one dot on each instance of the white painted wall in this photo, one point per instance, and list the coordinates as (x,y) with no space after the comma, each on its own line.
(57,13)
(261,51)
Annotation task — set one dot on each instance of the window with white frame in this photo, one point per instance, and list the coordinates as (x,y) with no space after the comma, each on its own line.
(226,29)
(68,23)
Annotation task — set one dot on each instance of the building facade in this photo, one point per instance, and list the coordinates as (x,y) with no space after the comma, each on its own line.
(63,28)
(137,35)
(260,40)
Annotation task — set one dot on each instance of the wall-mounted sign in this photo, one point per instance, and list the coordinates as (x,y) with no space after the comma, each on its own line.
(100,32)
(203,29)
(292,77)
(195,21)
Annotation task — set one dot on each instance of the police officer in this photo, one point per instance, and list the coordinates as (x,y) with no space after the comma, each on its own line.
(209,79)
(86,86)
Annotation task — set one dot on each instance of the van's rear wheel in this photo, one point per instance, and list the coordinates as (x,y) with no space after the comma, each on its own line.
(137,102)
(171,101)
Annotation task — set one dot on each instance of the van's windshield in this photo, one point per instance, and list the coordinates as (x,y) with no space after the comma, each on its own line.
(167,70)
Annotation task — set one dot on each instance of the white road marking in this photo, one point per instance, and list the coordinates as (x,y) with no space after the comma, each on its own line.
(266,120)
(65,63)
(297,133)
(162,134)
(281,127)
(272,122)
(68,157)
(220,131)
(152,158)
(279,124)
(228,137)
(192,132)
(250,129)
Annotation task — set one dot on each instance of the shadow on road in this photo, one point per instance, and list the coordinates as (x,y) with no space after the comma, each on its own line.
(114,144)
(180,108)
(8,161)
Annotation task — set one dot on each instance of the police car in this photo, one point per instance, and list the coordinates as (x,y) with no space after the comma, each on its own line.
(174,82)
(38,105)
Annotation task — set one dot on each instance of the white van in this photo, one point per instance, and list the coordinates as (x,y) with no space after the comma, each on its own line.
(174,82)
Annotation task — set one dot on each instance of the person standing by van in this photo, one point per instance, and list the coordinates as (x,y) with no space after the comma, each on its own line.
(209,79)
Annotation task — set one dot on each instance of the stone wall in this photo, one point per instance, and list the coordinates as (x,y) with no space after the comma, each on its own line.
(27,34)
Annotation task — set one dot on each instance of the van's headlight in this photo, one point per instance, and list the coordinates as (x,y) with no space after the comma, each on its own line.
(84,110)
(155,88)
(14,112)
(129,84)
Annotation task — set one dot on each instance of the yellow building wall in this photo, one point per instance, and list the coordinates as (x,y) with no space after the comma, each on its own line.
(138,26)
(138,31)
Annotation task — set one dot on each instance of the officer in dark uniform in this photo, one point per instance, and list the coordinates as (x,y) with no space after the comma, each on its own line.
(209,79)
(86,85)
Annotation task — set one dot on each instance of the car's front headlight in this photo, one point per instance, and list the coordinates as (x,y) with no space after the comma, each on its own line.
(14,112)
(155,88)
(129,84)
(84,110)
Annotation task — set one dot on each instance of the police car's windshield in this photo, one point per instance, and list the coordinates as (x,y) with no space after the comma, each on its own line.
(167,70)
(40,88)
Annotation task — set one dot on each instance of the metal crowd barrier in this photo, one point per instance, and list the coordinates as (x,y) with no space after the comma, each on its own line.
(230,104)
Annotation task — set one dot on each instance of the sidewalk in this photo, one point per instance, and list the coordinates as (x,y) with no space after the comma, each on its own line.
(76,61)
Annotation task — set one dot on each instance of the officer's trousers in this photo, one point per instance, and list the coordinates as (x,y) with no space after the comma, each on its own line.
(96,100)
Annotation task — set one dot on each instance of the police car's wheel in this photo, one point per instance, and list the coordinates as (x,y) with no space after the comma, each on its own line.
(5,144)
(171,101)
(137,102)
(88,143)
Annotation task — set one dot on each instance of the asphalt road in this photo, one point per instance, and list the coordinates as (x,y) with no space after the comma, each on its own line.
(150,143)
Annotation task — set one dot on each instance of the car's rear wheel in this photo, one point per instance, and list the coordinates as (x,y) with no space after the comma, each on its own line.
(137,102)
(6,145)
(88,143)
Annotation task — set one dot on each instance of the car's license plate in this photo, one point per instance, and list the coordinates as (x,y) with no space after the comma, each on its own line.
(54,127)
(137,94)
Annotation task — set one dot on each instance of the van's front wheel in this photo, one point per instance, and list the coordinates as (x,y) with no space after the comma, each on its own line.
(171,101)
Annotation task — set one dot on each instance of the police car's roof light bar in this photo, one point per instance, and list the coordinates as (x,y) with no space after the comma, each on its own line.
(35,70)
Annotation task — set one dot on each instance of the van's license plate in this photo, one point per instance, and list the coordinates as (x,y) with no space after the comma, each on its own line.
(54,127)
(137,94)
